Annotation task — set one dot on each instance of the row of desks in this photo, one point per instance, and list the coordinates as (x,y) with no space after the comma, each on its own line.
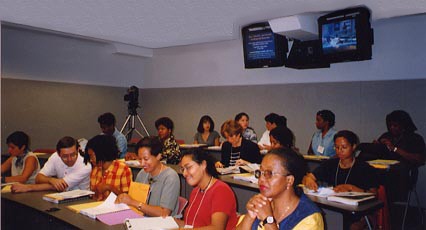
(336,215)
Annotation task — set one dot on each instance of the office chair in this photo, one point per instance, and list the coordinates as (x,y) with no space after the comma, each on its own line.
(413,174)
(182,204)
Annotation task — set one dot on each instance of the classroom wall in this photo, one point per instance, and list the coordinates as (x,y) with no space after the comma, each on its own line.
(190,81)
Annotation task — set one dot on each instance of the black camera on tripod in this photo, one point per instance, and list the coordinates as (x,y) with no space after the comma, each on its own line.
(132,96)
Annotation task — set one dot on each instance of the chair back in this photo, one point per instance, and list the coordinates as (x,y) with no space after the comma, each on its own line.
(182,204)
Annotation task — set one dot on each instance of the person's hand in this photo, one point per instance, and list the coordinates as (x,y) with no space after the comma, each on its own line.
(123,198)
(102,187)
(344,188)
(259,206)
(59,184)
(18,188)
(131,156)
(310,183)
(240,162)
(218,164)
(388,143)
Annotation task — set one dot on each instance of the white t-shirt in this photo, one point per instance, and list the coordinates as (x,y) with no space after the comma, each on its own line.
(264,140)
(77,176)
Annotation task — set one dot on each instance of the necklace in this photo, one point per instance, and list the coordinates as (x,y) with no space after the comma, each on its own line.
(281,217)
(347,176)
(204,192)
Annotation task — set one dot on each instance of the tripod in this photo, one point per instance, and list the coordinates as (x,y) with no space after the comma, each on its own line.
(130,122)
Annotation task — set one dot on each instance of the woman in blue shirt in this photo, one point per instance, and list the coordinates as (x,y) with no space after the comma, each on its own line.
(322,141)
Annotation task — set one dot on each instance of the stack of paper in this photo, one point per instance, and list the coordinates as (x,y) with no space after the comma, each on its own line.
(134,163)
(148,223)
(108,206)
(246,177)
(228,170)
(68,196)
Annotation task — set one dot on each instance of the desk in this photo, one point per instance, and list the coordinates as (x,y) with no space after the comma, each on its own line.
(27,211)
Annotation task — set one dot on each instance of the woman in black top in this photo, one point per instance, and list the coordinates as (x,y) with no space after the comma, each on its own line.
(236,150)
(345,173)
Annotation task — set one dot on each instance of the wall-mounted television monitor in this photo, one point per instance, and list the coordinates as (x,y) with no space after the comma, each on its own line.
(346,35)
(262,47)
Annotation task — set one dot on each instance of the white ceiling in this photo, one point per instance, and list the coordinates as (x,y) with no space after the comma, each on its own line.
(165,23)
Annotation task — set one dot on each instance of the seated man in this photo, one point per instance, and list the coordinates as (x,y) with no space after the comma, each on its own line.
(64,171)
(107,123)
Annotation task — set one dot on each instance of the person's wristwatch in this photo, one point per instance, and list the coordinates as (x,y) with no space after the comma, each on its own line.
(268,220)
(395,149)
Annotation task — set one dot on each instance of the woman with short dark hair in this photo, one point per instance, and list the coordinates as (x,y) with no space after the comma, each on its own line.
(281,203)
(22,164)
(108,174)
(322,139)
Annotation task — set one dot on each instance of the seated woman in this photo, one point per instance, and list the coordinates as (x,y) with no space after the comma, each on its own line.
(248,133)
(322,140)
(406,146)
(281,137)
(108,173)
(345,173)
(164,181)
(272,120)
(23,165)
(281,204)
(401,139)
(170,152)
(212,203)
(206,133)
(237,150)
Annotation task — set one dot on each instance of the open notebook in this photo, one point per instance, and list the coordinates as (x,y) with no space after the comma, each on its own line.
(69,196)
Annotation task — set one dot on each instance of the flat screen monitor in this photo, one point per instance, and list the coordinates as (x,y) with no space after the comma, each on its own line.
(262,47)
(346,35)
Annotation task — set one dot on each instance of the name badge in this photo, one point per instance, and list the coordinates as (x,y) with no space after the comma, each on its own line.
(320,149)
(188,226)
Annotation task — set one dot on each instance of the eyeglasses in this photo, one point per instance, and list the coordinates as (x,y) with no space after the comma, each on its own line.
(69,156)
(267,174)
(186,167)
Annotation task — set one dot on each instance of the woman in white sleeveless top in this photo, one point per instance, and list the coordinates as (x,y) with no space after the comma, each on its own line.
(22,164)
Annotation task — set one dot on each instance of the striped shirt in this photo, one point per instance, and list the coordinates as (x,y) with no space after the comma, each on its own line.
(235,155)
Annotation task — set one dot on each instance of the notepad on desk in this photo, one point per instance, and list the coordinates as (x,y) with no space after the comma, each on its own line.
(248,177)
(315,157)
(228,170)
(69,196)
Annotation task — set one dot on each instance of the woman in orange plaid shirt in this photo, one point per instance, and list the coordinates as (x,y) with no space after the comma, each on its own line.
(108,174)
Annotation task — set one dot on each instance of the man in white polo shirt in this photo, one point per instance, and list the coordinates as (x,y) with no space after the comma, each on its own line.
(64,171)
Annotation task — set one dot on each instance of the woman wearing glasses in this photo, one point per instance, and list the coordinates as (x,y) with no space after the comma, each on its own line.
(108,174)
(281,204)
(164,182)
(344,173)
(212,203)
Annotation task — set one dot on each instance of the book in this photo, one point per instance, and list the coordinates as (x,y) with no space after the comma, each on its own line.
(69,196)
(148,223)
(351,198)
(118,217)
(108,206)
(78,207)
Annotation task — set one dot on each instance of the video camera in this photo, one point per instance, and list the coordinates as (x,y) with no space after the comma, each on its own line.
(132,97)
